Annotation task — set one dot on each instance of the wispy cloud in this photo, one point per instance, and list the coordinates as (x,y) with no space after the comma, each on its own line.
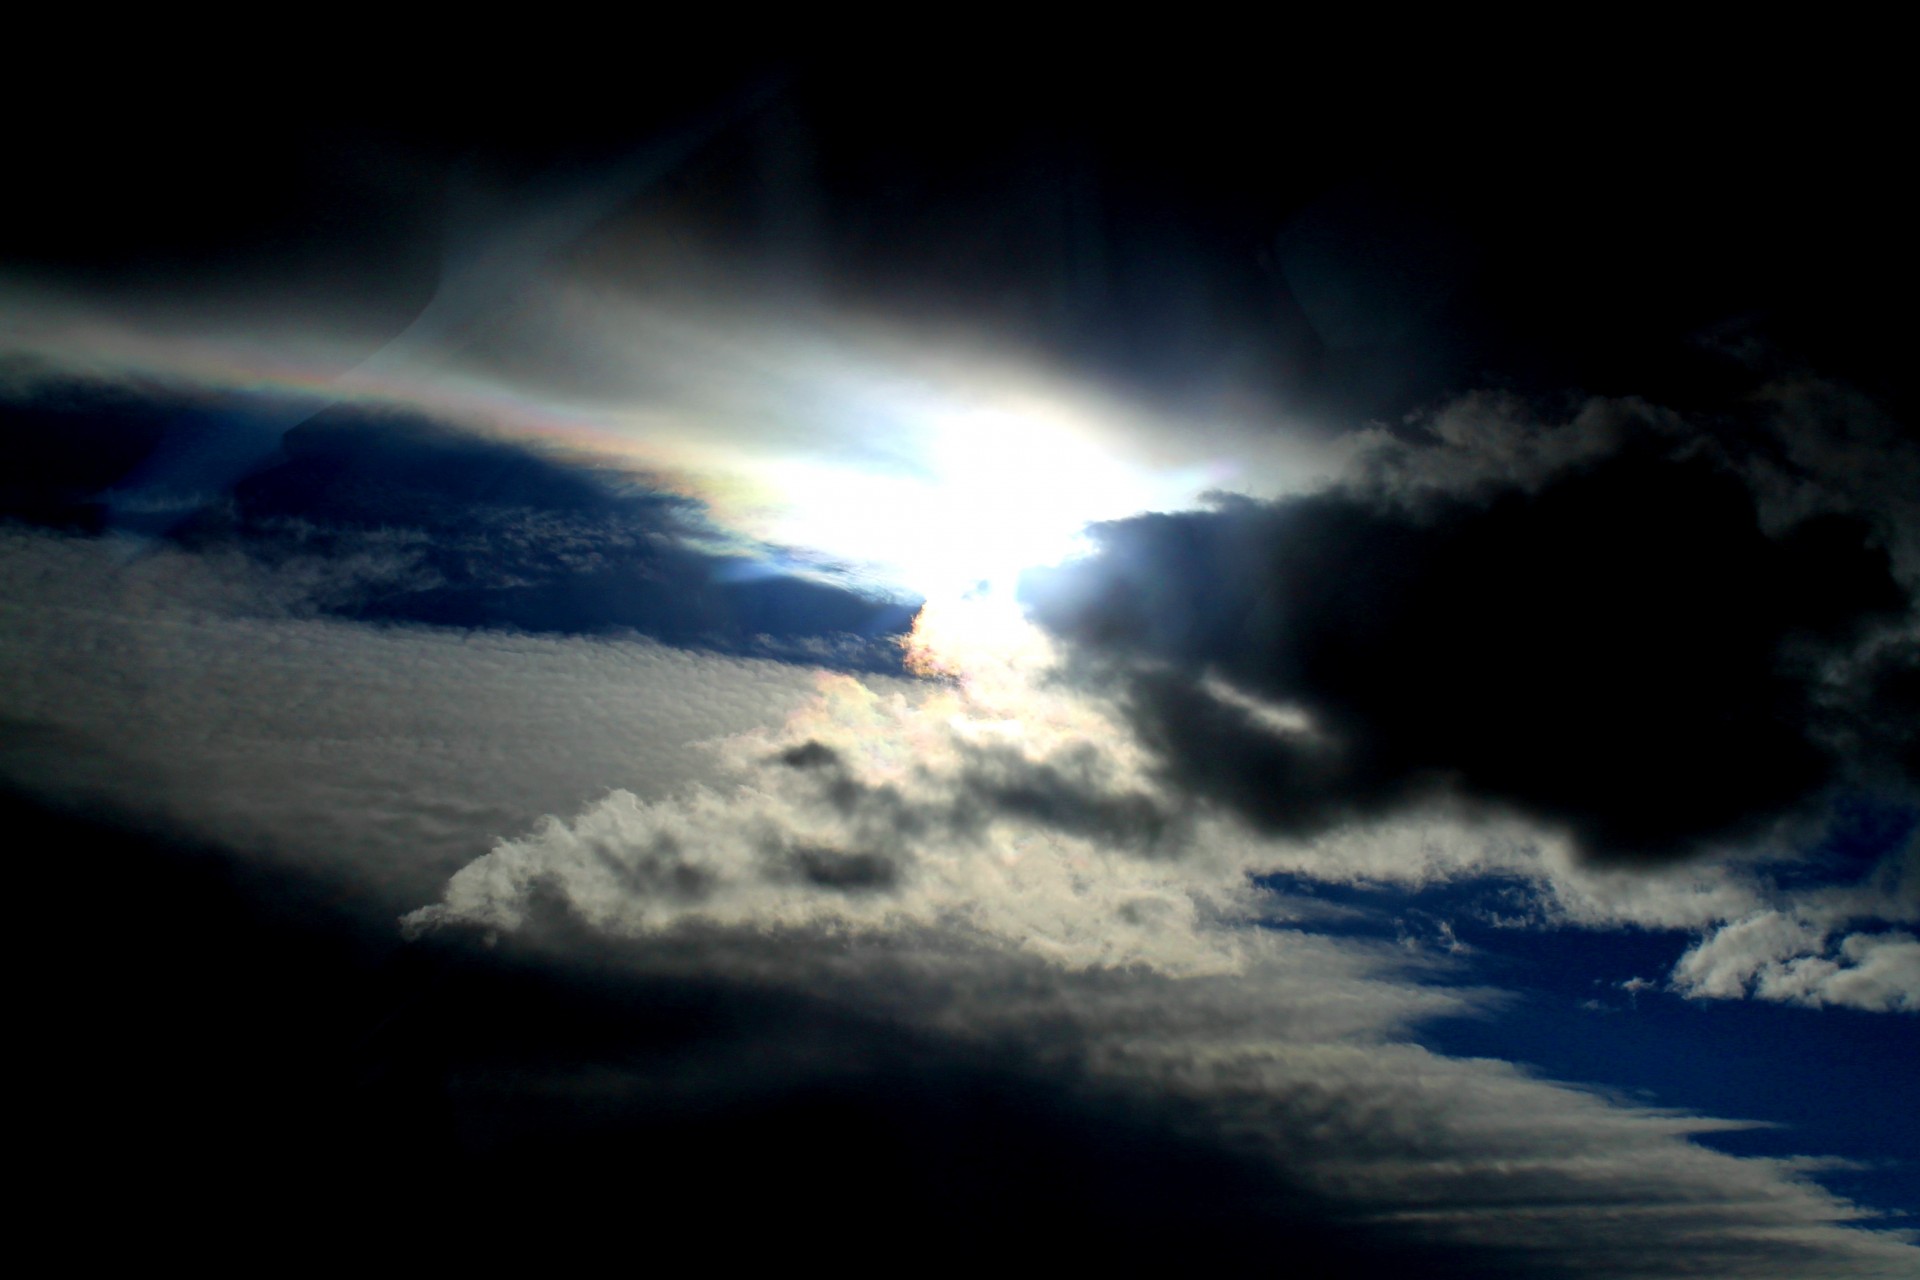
(200,689)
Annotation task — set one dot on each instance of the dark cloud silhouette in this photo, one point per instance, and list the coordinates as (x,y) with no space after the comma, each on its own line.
(68,445)
(1621,651)
(1890,701)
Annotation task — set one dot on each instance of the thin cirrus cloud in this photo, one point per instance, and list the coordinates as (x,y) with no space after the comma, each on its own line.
(204,691)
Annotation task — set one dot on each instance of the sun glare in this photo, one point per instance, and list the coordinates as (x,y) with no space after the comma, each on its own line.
(982,496)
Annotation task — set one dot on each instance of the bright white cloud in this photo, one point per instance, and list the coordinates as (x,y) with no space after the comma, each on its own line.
(1777,956)
(972,805)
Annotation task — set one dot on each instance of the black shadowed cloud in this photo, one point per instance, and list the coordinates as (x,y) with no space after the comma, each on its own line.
(1624,652)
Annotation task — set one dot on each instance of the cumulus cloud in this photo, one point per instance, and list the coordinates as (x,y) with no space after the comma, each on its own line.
(1808,947)
(1762,928)
(1293,1057)
(1774,956)
(914,853)
(881,810)
(988,859)
(1586,624)
(1628,665)
(855,855)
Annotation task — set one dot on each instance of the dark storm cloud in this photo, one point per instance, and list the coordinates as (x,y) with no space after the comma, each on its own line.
(1892,704)
(1619,649)
(407,520)
(1351,239)
(68,446)
(1348,232)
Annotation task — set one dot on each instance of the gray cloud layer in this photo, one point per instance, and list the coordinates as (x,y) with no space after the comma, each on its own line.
(200,690)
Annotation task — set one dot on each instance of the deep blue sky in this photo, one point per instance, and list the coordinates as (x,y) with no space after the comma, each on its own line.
(1825,1081)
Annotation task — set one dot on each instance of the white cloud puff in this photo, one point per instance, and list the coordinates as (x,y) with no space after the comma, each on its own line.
(876,811)
(1777,956)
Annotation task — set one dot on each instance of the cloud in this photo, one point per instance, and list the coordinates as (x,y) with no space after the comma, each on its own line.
(394,516)
(902,820)
(1776,957)
(1801,952)
(1788,920)
(1295,1061)
(197,690)
(858,857)
(1804,944)
(985,955)
(1586,625)
(1832,447)
(503,535)
(906,856)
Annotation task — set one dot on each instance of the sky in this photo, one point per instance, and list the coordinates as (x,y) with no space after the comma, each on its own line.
(1306,658)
